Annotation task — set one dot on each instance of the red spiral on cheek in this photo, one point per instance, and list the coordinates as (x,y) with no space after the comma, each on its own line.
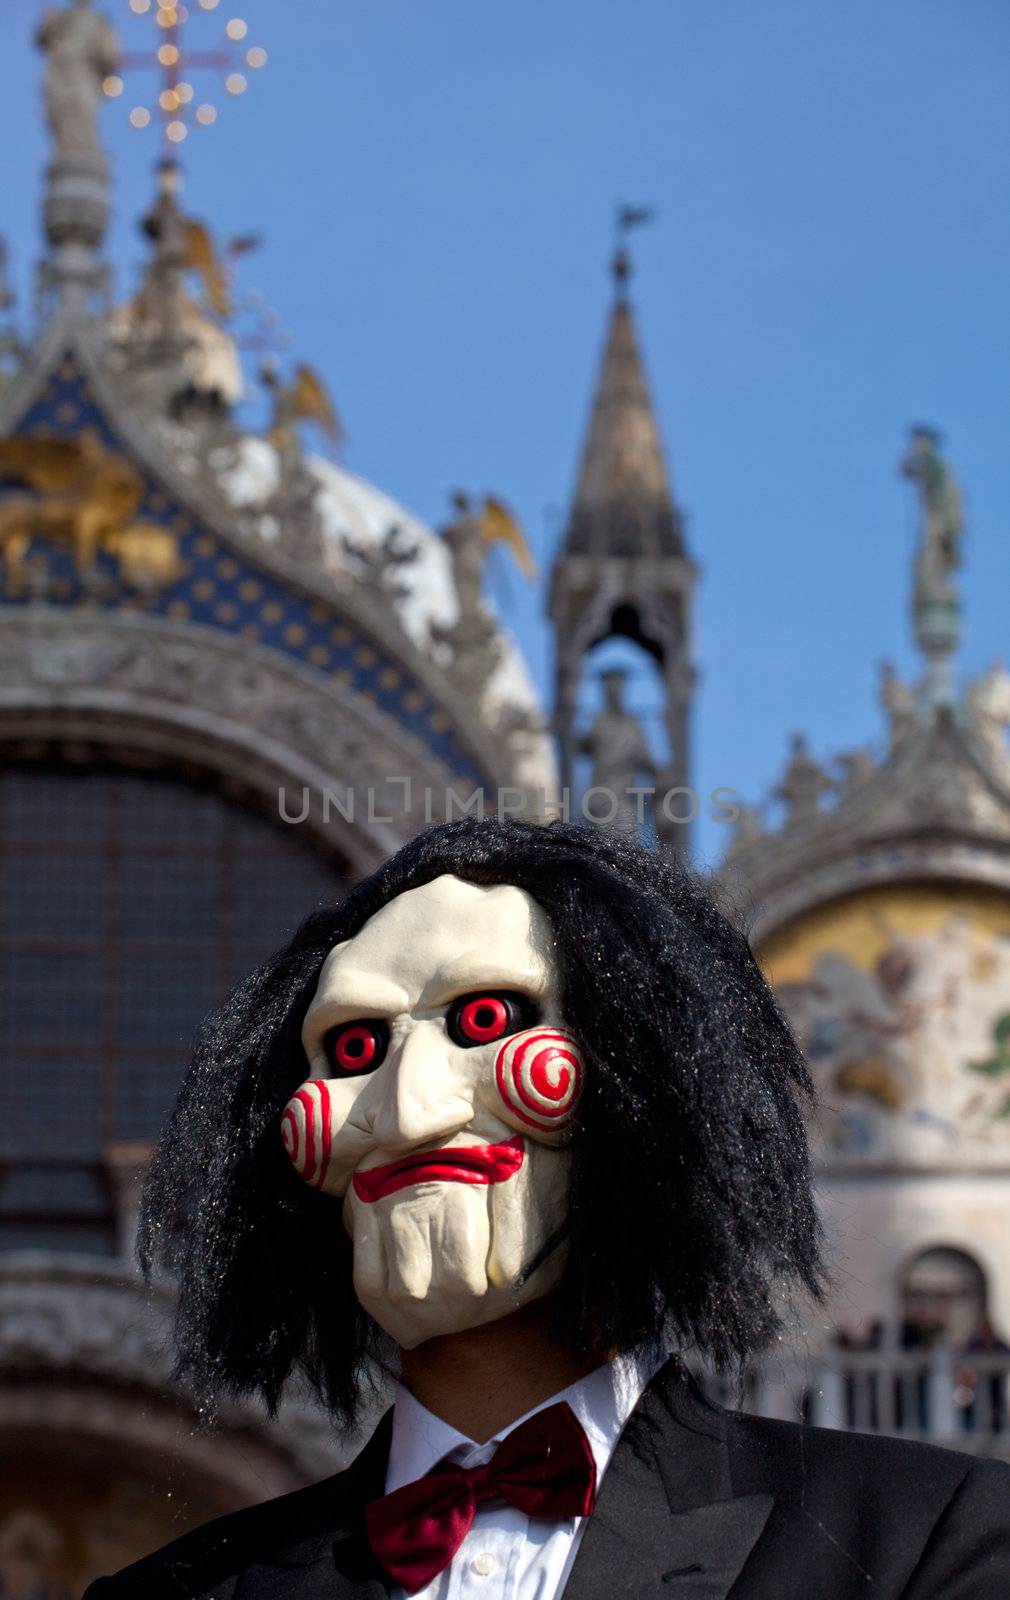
(306,1131)
(539,1075)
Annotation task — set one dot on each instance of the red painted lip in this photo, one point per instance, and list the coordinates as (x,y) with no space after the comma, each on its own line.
(462,1163)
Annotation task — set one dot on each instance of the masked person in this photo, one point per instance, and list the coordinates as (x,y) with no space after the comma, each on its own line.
(521,1120)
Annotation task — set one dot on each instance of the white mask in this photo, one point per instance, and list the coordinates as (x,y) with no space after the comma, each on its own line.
(438,1104)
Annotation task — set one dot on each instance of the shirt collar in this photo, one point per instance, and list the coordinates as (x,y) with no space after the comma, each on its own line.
(602,1401)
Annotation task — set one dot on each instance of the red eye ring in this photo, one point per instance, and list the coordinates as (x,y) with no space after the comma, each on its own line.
(484,1019)
(356,1047)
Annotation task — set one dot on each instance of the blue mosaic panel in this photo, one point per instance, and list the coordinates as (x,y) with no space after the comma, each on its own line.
(223,591)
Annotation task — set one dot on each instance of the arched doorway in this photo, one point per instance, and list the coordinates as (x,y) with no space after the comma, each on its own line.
(943,1297)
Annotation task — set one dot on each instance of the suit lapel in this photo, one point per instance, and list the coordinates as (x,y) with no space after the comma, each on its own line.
(667,1522)
(341,1569)
(331,1561)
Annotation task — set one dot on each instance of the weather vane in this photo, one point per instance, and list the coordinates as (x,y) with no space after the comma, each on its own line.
(625,219)
(177,103)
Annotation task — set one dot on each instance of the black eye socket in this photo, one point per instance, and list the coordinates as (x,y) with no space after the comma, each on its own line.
(483,1017)
(354,1048)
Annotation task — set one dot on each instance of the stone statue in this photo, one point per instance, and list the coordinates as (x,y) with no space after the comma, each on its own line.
(81,50)
(473,641)
(855,768)
(989,713)
(897,701)
(620,755)
(382,567)
(12,351)
(804,784)
(463,540)
(935,605)
(304,399)
(939,553)
(296,502)
(747,830)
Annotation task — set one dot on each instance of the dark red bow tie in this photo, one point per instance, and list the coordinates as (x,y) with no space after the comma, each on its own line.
(544,1468)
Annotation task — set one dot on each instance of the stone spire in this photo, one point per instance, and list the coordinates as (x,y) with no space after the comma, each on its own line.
(622,504)
(623,569)
(81,51)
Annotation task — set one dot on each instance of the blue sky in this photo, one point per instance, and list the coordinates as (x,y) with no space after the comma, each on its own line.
(829,261)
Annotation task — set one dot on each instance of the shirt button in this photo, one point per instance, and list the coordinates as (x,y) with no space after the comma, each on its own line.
(484,1564)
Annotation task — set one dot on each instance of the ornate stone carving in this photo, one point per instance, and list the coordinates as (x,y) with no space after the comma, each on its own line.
(747,830)
(294,503)
(988,705)
(932,810)
(938,807)
(171,355)
(12,350)
(379,567)
(222,694)
(60,660)
(81,50)
(803,785)
(472,644)
(897,701)
(295,509)
(522,733)
(856,768)
(75,1316)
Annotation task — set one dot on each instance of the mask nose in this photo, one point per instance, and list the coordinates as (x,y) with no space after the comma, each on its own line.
(425,1096)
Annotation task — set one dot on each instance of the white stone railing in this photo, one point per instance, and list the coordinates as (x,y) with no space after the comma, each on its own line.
(943,1395)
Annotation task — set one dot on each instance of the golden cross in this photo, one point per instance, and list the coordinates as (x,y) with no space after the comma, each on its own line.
(177,104)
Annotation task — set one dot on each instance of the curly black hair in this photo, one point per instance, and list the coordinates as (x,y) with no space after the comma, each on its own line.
(690,1200)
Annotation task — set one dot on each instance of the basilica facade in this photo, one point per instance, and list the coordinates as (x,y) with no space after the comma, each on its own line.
(879,907)
(234,677)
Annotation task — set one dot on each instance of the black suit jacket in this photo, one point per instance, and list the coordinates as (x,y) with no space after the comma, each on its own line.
(698,1503)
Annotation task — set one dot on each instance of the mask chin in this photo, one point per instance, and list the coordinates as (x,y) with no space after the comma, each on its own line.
(411,1322)
(439,1258)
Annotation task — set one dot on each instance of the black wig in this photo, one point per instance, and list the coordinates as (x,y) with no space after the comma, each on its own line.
(690,1190)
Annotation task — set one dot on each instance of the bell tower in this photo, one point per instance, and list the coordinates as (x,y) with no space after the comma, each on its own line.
(623,570)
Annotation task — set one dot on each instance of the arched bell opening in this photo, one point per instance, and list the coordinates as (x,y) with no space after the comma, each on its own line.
(629,757)
(622,744)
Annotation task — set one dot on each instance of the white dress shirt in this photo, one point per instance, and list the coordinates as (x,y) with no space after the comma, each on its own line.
(507,1555)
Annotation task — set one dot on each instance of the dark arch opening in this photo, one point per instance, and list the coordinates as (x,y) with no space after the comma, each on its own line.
(626,623)
(131,903)
(944,1296)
